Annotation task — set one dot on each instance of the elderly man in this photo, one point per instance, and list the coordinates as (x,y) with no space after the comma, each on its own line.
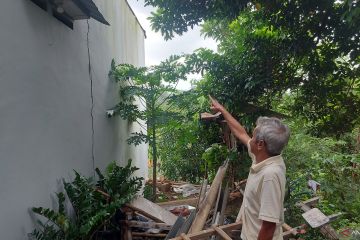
(262,209)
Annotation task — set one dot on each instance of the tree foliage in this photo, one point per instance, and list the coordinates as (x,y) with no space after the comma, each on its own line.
(308,49)
(182,142)
(191,150)
(299,58)
(145,94)
(175,16)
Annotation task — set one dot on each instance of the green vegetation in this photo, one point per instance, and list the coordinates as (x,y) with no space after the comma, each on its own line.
(152,88)
(295,59)
(94,205)
(309,49)
(331,162)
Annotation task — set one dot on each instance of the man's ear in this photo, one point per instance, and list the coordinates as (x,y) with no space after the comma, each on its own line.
(260,144)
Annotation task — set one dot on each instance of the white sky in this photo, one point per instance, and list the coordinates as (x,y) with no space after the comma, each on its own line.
(157,49)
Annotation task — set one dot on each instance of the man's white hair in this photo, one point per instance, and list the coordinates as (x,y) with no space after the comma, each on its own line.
(274,133)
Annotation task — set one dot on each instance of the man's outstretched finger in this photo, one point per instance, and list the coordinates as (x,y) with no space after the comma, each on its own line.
(213,100)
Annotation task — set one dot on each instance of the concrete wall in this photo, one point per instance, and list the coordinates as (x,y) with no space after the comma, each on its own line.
(51,119)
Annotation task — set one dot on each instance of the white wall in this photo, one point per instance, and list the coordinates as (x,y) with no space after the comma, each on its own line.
(46,103)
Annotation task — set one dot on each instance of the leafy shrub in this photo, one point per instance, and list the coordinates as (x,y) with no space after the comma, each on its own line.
(330,162)
(181,147)
(94,204)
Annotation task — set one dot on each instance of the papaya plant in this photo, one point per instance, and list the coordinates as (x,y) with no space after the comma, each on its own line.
(145,94)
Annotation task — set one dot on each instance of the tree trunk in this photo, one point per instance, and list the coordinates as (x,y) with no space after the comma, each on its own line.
(154,153)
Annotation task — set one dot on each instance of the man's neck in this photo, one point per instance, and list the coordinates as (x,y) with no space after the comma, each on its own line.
(262,157)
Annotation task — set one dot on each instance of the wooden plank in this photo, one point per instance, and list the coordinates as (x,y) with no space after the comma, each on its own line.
(287,235)
(128,234)
(287,228)
(235,234)
(216,208)
(189,201)
(209,200)
(325,230)
(208,232)
(311,202)
(139,224)
(329,232)
(202,193)
(185,237)
(315,218)
(221,232)
(185,228)
(335,216)
(152,210)
(172,233)
(125,232)
(303,207)
(224,203)
(238,217)
(142,234)
(229,228)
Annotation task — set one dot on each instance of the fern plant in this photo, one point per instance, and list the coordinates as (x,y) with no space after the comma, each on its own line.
(94,204)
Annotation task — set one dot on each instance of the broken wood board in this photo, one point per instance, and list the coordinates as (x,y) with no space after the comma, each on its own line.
(315,218)
(326,230)
(152,211)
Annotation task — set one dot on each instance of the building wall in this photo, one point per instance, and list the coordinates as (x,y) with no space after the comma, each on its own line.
(52,109)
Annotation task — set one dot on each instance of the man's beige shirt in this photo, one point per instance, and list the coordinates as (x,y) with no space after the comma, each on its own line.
(263,198)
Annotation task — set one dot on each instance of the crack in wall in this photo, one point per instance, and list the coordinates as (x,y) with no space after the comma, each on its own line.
(92,100)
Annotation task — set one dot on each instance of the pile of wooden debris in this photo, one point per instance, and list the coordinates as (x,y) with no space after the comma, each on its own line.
(204,216)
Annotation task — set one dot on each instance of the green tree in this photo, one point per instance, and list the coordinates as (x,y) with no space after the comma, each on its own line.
(182,142)
(152,87)
(175,16)
(191,149)
(310,49)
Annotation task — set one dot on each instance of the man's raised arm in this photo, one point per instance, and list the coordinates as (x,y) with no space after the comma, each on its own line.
(236,128)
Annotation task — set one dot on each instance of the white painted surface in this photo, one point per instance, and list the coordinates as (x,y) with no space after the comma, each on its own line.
(45,103)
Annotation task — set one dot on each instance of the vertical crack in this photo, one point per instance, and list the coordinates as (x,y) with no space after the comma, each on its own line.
(92,99)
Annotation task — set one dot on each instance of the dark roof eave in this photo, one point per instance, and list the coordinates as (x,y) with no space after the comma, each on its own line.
(90,8)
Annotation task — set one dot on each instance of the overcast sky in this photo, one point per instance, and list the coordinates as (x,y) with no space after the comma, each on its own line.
(157,49)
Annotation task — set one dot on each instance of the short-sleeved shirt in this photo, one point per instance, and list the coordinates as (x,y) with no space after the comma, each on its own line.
(263,198)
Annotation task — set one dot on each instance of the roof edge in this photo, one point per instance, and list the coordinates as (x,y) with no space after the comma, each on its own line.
(135,17)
